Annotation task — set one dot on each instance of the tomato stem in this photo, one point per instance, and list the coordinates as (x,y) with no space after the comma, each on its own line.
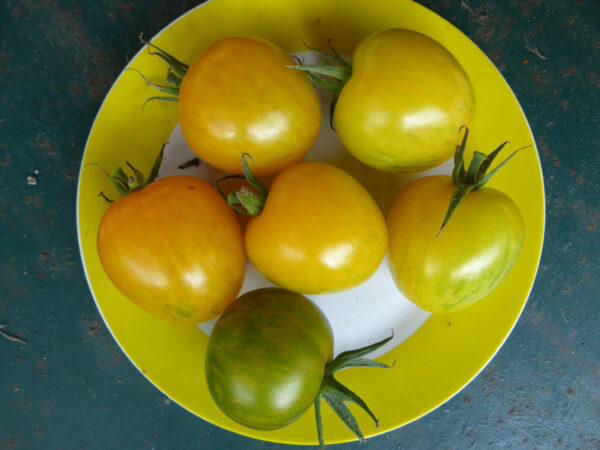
(319,421)
(244,200)
(475,176)
(174,77)
(171,89)
(179,68)
(126,184)
(161,98)
(336,395)
(332,77)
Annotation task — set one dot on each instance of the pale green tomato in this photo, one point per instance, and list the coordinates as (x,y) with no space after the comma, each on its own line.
(467,260)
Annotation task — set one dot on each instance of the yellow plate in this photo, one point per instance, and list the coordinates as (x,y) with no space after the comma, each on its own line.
(448,350)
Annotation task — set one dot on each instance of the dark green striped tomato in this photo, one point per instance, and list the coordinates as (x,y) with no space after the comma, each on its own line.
(269,358)
(266,357)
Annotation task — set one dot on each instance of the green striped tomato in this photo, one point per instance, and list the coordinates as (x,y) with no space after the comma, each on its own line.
(266,357)
(469,258)
(452,240)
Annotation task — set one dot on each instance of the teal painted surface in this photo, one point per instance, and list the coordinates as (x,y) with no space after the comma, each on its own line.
(71,387)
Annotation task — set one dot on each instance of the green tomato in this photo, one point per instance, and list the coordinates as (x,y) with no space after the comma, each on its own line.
(268,360)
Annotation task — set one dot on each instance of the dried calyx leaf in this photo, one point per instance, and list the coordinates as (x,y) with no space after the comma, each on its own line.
(336,395)
(244,200)
(126,184)
(475,176)
(168,88)
(332,77)
(178,68)
(176,72)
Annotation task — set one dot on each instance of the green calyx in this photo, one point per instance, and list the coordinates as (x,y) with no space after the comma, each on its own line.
(126,184)
(175,74)
(336,395)
(332,77)
(244,200)
(475,176)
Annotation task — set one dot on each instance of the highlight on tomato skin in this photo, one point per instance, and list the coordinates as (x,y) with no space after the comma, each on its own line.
(397,106)
(172,246)
(240,95)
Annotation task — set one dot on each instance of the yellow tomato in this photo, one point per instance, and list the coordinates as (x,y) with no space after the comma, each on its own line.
(471,255)
(320,231)
(174,248)
(403,105)
(240,96)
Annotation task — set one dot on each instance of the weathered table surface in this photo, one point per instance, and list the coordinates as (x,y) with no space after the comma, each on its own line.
(70,386)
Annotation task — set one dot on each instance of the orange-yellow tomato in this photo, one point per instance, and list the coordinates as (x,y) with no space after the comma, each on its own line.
(174,248)
(404,103)
(320,231)
(239,96)
(470,257)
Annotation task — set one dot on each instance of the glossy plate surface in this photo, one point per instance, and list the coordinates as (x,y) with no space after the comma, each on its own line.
(438,355)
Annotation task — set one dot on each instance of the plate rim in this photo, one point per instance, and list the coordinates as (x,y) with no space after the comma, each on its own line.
(367,435)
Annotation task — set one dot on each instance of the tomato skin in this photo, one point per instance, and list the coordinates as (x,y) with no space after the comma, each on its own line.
(239,96)
(471,256)
(320,231)
(266,357)
(174,248)
(402,108)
